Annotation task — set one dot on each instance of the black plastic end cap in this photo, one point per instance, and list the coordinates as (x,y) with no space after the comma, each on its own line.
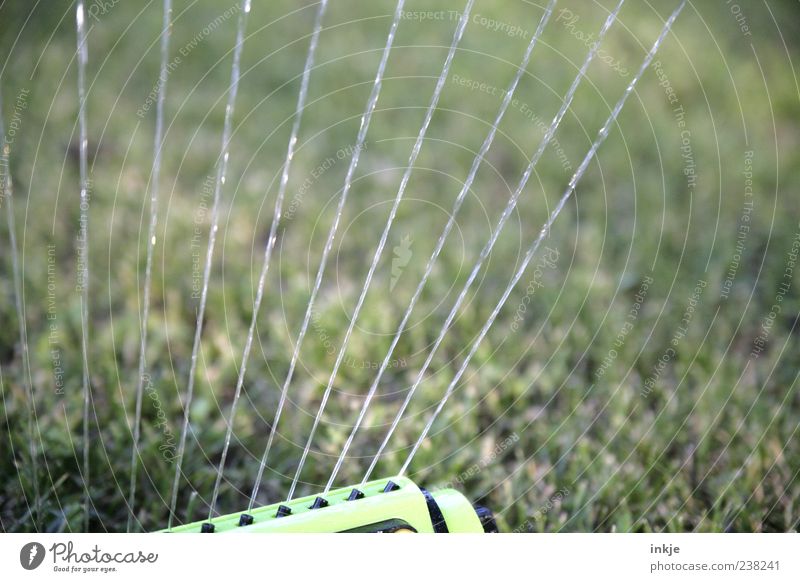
(283,511)
(486,518)
(391,486)
(207,528)
(245,519)
(319,503)
(355,494)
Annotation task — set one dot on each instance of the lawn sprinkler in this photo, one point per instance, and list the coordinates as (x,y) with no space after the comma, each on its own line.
(394,505)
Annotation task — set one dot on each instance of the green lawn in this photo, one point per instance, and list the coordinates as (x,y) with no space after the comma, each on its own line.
(641,377)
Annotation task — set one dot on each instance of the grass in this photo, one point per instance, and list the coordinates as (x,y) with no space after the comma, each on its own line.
(618,390)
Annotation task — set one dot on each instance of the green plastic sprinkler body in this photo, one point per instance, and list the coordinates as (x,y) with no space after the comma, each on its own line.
(393,505)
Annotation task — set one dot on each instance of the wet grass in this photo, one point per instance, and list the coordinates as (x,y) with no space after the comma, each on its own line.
(636,379)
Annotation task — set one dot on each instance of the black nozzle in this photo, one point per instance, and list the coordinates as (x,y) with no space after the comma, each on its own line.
(355,494)
(319,503)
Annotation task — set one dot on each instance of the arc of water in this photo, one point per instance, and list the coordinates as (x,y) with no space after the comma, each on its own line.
(601,137)
(7,198)
(476,163)
(273,235)
(487,249)
(222,168)
(362,133)
(459,32)
(151,242)
(83,243)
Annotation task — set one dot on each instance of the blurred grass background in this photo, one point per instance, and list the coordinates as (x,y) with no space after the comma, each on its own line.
(549,426)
